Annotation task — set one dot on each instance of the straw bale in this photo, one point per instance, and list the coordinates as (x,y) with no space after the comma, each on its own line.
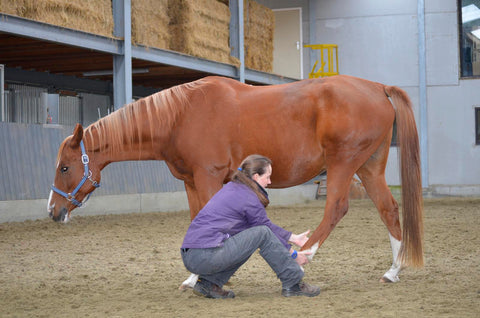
(259,25)
(201,28)
(93,16)
(11,7)
(150,22)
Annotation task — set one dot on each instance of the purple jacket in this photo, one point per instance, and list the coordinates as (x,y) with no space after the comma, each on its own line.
(231,210)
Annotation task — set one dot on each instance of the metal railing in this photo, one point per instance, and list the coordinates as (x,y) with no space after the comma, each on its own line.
(328,57)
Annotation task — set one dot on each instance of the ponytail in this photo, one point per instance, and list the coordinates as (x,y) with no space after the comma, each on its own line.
(251,165)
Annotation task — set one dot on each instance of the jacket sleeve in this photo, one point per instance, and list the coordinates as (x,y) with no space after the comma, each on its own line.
(256,215)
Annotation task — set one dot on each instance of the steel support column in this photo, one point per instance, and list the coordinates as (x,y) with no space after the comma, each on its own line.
(422,88)
(122,64)
(237,35)
(312,11)
(2,93)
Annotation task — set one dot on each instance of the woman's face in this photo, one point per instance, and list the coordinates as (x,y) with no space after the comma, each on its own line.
(264,179)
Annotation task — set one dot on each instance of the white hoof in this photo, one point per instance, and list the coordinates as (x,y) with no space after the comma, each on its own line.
(392,275)
(386,279)
(189,282)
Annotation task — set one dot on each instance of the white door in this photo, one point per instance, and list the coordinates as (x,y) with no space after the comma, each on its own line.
(287,43)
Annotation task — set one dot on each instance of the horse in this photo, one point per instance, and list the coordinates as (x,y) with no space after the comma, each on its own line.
(203,130)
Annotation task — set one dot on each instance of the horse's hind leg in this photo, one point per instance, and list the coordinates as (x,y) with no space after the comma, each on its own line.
(372,174)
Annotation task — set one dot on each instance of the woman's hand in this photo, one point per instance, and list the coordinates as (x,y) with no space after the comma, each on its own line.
(299,239)
(301,258)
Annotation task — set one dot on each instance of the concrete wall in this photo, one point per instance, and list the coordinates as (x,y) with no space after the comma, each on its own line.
(21,210)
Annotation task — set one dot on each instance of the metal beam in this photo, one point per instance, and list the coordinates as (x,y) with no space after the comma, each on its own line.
(237,48)
(65,82)
(266,78)
(46,32)
(312,11)
(16,75)
(2,93)
(122,64)
(234,40)
(183,61)
(422,88)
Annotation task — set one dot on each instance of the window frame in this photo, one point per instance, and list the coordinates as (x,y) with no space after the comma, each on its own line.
(460,46)
(477,124)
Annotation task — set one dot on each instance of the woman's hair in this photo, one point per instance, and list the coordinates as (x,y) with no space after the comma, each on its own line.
(251,165)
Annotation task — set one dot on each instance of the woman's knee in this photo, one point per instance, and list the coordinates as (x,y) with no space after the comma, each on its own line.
(262,230)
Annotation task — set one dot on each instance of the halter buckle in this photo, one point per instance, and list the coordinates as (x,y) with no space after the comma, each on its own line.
(85,159)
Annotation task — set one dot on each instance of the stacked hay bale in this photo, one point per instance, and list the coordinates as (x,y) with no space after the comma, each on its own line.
(93,16)
(201,28)
(150,23)
(196,27)
(259,25)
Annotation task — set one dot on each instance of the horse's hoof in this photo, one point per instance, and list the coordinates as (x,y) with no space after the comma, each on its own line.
(385,279)
(184,287)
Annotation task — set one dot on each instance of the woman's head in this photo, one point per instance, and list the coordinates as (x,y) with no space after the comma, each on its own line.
(253,171)
(258,168)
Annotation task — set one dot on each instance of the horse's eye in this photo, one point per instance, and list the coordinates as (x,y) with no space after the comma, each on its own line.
(64,169)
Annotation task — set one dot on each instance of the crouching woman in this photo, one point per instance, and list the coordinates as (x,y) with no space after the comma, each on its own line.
(232,226)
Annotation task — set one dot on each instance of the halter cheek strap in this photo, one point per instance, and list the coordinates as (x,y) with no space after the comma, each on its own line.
(87,175)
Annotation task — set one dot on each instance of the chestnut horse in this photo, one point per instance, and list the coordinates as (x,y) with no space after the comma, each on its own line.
(203,130)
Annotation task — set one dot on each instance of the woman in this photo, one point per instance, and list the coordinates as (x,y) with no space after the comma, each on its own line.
(232,226)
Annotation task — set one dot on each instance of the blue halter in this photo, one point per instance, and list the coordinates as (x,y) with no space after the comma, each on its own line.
(86,175)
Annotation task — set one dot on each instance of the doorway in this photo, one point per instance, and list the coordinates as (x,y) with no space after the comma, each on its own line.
(287,43)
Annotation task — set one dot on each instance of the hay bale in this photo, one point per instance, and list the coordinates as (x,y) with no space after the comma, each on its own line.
(259,25)
(201,28)
(150,23)
(11,7)
(93,16)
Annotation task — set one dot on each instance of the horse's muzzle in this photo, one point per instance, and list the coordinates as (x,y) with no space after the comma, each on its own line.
(61,217)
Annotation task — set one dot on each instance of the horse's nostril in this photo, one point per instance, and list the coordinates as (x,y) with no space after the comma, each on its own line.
(62,216)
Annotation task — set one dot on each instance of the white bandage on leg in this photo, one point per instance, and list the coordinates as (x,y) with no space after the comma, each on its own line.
(189,282)
(392,274)
(312,249)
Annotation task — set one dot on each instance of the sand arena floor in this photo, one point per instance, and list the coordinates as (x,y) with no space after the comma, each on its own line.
(130,266)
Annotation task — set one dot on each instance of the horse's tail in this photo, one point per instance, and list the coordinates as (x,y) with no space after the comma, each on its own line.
(411,251)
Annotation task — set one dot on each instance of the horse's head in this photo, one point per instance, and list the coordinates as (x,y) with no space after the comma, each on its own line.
(76,177)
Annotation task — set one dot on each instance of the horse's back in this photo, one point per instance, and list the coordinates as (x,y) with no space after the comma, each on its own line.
(294,124)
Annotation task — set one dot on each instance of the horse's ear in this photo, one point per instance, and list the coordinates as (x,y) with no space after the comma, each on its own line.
(77,136)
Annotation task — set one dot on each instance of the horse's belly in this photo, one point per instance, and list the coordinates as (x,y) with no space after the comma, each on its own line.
(293,170)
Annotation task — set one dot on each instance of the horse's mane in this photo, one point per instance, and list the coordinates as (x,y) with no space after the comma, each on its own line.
(140,121)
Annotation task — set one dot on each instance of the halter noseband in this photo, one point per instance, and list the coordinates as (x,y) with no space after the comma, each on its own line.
(86,175)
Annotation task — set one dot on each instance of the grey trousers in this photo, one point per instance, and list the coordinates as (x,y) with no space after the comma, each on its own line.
(218,264)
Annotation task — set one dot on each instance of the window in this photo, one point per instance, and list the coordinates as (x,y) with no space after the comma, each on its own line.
(469,13)
(477,125)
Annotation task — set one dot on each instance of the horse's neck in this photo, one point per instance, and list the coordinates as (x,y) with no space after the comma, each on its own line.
(141,130)
(114,138)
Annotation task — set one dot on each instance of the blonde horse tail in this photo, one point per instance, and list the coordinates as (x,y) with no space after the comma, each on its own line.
(411,251)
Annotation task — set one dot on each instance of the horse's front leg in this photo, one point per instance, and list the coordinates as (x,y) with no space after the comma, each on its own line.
(198,194)
(338,183)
